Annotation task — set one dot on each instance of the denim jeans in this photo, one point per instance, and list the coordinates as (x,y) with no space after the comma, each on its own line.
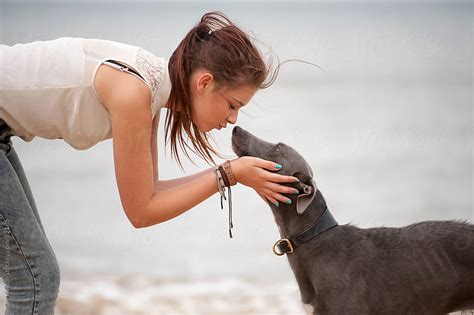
(28,264)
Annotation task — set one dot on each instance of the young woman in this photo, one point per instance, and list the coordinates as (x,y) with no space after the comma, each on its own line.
(87,90)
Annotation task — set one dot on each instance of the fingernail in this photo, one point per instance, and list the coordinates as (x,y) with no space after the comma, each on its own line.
(296,191)
(278,166)
(276,203)
(297,180)
(288,201)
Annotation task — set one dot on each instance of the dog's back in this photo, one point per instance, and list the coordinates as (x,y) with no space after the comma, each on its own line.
(423,268)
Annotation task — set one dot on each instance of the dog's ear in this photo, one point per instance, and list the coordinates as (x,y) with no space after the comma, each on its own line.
(308,190)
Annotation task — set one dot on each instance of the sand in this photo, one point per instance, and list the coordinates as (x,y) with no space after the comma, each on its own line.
(132,295)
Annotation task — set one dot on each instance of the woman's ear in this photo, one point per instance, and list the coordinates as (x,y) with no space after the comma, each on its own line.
(205,81)
(308,190)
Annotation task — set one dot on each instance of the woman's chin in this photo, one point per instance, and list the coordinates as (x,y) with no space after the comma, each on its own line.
(210,129)
(207,129)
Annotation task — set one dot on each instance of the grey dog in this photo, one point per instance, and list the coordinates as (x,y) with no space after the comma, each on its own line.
(423,268)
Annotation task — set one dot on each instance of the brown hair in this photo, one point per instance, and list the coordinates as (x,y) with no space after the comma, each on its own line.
(218,45)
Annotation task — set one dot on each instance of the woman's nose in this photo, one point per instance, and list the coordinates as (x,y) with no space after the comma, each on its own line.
(232,118)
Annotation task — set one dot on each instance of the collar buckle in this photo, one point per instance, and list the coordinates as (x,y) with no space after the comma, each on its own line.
(284,247)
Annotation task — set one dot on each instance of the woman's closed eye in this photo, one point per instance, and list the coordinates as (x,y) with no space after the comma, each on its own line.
(231,107)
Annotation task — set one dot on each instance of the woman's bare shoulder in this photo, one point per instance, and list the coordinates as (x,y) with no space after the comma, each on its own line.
(114,87)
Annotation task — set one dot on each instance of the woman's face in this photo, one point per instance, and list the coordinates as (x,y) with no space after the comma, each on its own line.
(212,108)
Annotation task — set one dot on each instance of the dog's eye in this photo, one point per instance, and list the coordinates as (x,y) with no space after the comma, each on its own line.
(277,148)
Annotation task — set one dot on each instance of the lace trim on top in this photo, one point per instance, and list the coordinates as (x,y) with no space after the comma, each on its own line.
(152,69)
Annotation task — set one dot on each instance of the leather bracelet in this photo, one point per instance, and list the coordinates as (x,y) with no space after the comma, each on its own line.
(224,176)
(230,175)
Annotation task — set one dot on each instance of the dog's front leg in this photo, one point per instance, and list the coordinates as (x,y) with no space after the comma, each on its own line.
(308,308)
(306,292)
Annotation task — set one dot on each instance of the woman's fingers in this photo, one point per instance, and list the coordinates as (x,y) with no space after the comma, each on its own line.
(274,177)
(268,199)
(277,178)
(274,201)
(282,189)
(269,165)
(275,196)
(254,172)
(273,191)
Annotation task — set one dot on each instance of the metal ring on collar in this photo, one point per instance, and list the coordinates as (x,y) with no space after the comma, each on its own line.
(283,249)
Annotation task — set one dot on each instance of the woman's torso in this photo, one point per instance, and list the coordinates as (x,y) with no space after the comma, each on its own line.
(47,87)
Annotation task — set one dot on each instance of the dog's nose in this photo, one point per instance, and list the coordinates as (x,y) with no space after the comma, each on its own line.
(236,130)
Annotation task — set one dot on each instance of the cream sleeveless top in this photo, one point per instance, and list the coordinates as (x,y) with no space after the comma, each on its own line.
(47,90)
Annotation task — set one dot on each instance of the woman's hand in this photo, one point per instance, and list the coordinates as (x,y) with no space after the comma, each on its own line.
(252,172)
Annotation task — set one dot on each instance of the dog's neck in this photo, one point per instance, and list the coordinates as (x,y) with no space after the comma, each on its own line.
(291,223)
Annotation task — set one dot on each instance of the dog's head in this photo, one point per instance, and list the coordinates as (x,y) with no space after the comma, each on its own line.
(246,144)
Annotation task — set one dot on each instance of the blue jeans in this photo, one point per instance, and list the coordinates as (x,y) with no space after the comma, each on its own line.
(28,264)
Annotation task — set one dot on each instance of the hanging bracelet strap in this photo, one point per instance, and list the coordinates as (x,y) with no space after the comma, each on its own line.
(229,176)
(220,185)
(222,182)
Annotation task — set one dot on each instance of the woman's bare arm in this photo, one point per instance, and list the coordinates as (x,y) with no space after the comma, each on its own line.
(164,184)
(168,203)
(154,146)
(128,101)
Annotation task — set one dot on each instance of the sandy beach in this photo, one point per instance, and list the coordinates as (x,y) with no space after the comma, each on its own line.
(132,295)
(135,295)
